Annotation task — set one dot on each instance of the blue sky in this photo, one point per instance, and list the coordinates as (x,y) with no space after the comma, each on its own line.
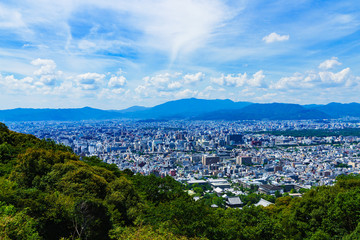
(116,54)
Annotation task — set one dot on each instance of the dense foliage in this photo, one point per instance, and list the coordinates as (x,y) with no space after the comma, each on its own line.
(47,192)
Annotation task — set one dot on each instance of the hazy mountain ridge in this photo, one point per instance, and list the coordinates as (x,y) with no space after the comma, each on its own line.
(192,108)
(132,109)
(338,110)
(270,111)
(187,108)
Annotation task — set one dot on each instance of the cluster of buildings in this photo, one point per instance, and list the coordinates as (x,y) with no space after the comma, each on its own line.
(198,150)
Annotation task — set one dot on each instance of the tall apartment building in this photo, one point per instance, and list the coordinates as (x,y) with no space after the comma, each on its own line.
(243,160)
(208,160)
(234,139)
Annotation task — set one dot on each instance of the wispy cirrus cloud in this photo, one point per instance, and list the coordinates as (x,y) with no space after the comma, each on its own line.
(10,18)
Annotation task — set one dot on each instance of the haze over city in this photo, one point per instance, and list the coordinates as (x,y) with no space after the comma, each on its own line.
(116,54)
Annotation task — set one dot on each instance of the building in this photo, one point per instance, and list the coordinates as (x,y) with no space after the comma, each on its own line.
(172,172)
(234,202)
(200,182)
(277,168)
(208,160)
(243,160)
(263,203)
(234,139)
(270,189)
(195,158)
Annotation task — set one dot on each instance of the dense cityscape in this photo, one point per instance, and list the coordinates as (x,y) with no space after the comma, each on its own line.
(228,156)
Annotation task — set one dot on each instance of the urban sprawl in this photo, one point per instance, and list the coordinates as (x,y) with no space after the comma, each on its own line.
(220,154)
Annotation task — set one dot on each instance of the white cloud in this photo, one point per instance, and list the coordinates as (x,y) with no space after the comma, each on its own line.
(210,91)
(94,45)
(86,44)
(179,27)
(240,80)
(219,81)
(118,91)
(268,97)
(257,80)
(111,93)
(47,66)
(274,37)
(43,80)
(209,88)
(90,81)
(176,27)
(172,28)
(160,81)
(330,63)
(10,18)
(186,93)
(141,90)
(330,79)
(169,85)
(13,84)
(46,81)
(47,72)
(159,84)
(192,78)
(230,80)
(317,79)
(168,82)
(298,80)
(117,82)
(174,85)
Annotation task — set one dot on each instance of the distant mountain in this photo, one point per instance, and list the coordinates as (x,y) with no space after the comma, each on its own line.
(270,111)
(191,108)
(338,110)
(71,114)
(132,109)
(187,108)
(312,105)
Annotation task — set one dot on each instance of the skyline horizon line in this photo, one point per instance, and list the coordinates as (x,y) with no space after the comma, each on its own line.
(175,100)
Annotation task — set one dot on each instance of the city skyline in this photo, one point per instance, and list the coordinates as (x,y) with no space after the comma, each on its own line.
(116,54)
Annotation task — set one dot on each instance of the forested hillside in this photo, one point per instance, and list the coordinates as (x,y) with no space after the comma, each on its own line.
(47,192)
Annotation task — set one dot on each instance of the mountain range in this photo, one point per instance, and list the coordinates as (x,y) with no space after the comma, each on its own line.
(191,109)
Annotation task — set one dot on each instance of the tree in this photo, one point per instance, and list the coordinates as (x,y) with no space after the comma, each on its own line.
(181,216)
(16,224)
(91,220)
(144,233)
(156,190)
(33,165)
(198,190)
(124,202)
(277,194)
(95,161)
(6,152)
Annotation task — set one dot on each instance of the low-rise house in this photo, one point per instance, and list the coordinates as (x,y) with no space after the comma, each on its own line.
(263,203)
(234,202)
